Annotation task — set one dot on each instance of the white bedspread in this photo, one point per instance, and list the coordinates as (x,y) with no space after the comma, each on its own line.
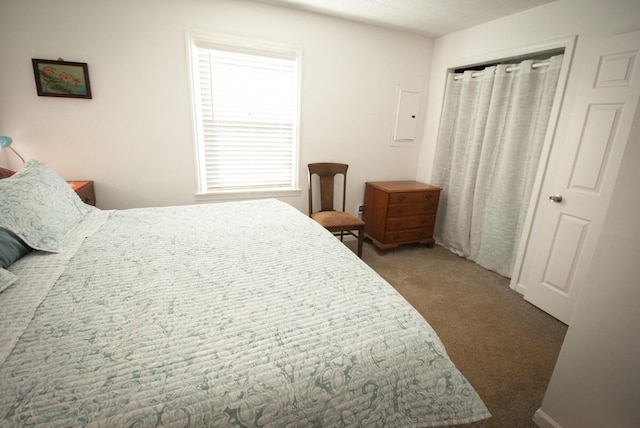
(234,314)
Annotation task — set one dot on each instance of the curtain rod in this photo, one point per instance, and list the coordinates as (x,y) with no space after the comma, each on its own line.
(458,76)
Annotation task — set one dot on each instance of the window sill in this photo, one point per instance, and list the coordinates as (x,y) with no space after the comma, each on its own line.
(234,195)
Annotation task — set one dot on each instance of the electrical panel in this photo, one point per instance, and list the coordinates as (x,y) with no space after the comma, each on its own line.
(407,116)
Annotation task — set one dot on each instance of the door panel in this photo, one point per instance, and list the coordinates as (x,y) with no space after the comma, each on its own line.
(565,233)
(597,139)
(616,70)
(565,248)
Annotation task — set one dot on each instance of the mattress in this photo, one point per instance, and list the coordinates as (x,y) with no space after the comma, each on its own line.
(238,314)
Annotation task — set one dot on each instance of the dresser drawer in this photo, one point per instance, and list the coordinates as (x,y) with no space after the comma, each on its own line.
(410,235)
(411,209)
(409,197)
(401,223)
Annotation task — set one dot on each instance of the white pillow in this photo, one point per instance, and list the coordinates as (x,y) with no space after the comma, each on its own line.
(6,279)
(39,206)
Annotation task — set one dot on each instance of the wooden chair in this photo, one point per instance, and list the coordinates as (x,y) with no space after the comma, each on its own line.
(338,222)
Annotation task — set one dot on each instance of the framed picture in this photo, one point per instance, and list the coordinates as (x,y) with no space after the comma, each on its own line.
(61,78)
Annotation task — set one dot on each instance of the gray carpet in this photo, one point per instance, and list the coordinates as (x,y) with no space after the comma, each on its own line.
(506,347)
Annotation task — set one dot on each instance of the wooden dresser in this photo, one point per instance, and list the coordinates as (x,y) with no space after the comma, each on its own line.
(400,212)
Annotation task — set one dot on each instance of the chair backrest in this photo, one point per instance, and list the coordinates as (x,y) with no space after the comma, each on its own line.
(327,172)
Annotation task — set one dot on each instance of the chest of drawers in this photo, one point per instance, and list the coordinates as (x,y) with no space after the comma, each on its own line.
(400,212)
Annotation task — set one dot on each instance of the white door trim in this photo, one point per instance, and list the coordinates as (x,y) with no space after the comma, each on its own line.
(569,47)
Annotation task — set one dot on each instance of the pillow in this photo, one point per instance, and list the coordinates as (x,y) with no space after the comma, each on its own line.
(11,248)
(6,279)
(39,206)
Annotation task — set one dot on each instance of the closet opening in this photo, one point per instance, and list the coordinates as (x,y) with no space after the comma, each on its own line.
(496,127)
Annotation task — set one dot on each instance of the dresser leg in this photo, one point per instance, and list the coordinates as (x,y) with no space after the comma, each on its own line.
(430,243)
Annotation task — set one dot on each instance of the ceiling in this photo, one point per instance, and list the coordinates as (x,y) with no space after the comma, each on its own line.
(428,17)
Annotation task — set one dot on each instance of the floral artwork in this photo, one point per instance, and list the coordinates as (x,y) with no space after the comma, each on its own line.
(61,78)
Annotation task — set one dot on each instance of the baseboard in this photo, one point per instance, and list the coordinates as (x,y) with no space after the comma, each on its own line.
(543,420)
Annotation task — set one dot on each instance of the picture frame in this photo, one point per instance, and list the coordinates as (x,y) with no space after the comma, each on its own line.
(58,78)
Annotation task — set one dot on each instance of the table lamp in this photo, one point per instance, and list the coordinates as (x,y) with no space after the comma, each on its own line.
(5,142)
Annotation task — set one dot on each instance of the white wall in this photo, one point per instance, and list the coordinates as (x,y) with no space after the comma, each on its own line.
(135,139)
(596,380)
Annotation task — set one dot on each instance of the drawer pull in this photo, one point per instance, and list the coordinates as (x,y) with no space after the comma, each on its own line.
(401,198)
(399,210)
(398,223)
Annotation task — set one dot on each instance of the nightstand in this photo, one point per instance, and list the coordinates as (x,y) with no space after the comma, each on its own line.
(85,190)
(6,173)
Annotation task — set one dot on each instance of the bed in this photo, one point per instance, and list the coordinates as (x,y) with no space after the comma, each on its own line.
(236,314)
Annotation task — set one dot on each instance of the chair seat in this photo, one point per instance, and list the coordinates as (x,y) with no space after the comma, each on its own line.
(337,219)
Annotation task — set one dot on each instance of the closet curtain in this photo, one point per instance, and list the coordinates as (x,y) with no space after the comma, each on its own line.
(491,134)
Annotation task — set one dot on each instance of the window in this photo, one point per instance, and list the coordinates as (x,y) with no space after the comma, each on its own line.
(246,113)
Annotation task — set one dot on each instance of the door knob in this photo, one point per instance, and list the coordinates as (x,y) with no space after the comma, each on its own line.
(555,198)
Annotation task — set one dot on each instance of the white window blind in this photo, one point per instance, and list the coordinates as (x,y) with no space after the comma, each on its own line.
(247,114)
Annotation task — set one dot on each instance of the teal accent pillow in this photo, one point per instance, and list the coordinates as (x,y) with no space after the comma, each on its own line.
(11,248)
(39,206)
(6,279)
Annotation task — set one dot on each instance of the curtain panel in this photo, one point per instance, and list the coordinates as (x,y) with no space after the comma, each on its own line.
(491,135)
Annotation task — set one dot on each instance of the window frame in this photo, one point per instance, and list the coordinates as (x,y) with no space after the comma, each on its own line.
(197,40)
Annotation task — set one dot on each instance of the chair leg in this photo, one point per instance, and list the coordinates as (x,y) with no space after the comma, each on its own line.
(360,239)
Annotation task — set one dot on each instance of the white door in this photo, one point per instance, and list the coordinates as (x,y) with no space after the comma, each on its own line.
(566,227)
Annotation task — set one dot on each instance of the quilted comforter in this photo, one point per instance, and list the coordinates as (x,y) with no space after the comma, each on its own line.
(229,315)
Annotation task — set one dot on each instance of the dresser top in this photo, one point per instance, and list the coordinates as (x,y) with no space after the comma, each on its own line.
(402,186)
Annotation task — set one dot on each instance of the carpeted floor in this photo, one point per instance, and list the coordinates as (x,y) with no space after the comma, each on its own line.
(506,347)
